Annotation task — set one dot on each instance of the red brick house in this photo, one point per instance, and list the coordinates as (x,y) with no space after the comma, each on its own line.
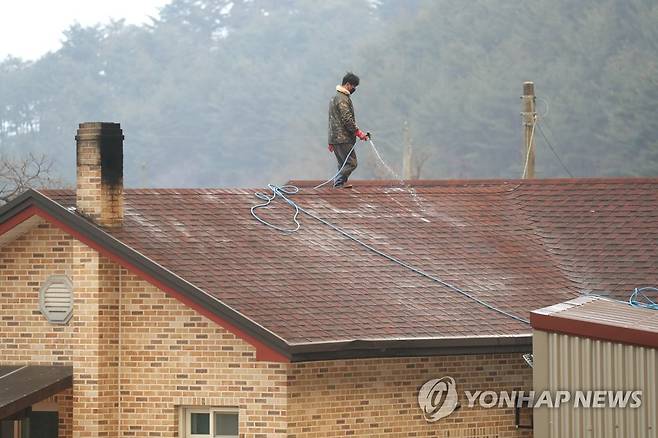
(166,312)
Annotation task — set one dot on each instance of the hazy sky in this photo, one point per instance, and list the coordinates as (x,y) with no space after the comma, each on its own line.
(30,28)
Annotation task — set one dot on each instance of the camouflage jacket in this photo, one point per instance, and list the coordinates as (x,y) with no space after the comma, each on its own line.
(342,124)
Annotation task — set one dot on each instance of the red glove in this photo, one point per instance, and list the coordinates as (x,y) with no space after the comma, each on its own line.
(361,135)
(330,147)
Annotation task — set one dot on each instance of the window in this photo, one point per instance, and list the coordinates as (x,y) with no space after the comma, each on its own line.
(213,422)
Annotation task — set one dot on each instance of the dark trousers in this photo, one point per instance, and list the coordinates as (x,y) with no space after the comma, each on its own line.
(341,150)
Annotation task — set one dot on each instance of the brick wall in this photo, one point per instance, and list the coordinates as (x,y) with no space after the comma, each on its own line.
(172,356)
(64,402)
(378,397)
(94,343)
(137,355)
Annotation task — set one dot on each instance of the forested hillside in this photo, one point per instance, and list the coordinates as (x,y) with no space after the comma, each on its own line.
(235,93)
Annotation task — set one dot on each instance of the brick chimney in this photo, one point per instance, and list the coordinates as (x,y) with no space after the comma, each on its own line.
(99,192)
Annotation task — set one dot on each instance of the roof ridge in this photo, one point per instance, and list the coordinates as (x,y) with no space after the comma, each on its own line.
(486,181)
(370,183)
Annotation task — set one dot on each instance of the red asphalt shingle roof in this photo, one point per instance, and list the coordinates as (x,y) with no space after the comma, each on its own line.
(518,245)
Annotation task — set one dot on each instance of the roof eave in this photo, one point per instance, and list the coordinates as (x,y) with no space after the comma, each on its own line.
(380,348)
(18,204)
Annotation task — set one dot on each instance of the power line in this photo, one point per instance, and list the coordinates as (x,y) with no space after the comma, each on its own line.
(564,166)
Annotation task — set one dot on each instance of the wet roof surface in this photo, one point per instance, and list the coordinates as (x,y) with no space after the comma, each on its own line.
(517,245)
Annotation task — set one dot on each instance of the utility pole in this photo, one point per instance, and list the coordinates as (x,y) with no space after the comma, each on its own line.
(529,117)
(407,155)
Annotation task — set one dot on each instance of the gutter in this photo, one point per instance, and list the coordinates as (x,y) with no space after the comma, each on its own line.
(410,347)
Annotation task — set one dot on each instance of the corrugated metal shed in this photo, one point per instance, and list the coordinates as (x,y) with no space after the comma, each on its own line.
(593,343)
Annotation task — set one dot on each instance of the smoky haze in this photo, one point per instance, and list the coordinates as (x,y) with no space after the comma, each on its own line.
(219,93)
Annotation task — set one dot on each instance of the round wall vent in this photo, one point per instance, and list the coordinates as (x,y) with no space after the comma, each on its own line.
(56,299)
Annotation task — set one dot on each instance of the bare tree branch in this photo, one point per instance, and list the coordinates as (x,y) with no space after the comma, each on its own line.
(18,175)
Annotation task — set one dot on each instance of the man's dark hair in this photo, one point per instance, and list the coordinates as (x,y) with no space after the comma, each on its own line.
(350,78)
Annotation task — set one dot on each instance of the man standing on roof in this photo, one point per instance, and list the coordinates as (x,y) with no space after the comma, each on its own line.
(343,130)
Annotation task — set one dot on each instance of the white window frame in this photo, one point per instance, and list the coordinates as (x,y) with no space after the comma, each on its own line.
(187,412)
